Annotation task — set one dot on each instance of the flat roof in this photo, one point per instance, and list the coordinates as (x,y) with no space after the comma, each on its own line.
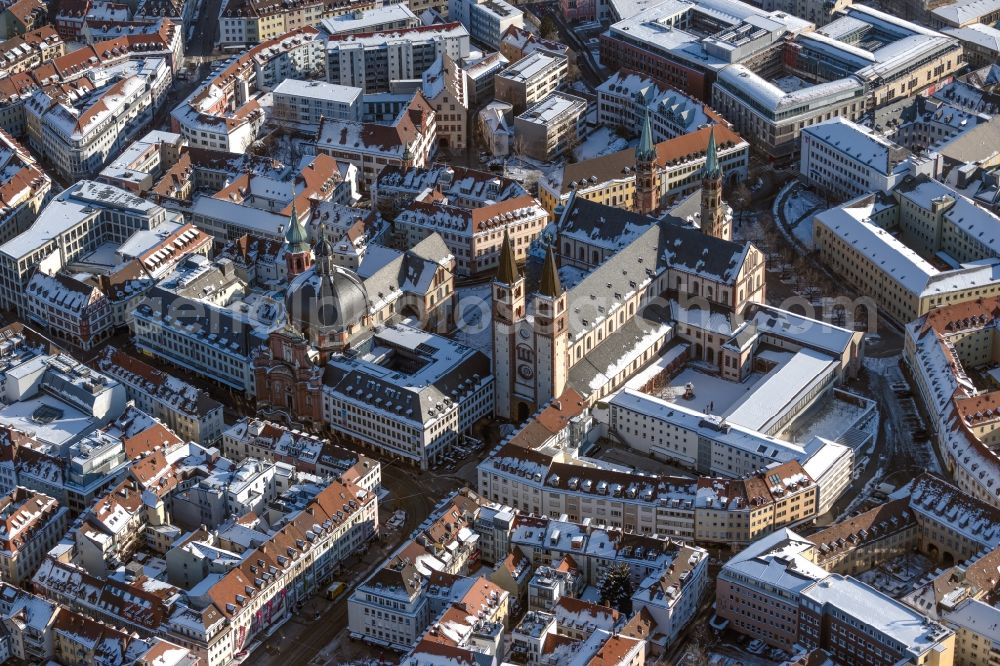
(872,608)
(532,65)
(318,90)
(780,388)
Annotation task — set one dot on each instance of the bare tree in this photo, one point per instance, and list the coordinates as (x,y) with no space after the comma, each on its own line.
(742,198)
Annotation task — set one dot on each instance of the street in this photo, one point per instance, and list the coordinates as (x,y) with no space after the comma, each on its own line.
(303,638)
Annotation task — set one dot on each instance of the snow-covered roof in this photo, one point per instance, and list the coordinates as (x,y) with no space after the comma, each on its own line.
(709,427)
(871,608)
(965,11)
(858,142)
(979,34)
(770,400)
(320,90)
(851,223)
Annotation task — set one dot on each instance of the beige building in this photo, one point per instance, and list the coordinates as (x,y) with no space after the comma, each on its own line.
(550,128)
(26,52)
(31,524)
(531,79)
(249,22)
(857,544)
(980,42)
(964,416)
(610,179)
(474,235)
(844,80)
(406,143)
(884,245)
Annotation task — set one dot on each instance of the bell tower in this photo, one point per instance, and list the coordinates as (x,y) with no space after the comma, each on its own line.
(508,300)
(714,218)
(298,254)
(551,326)
(647,186)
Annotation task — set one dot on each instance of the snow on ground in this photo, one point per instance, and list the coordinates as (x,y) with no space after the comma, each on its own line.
(798,209)
(474,314)
(710,391)
(602,141)
(898,576)
(831,420)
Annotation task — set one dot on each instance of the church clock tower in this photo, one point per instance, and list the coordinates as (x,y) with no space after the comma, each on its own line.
(551,326)
(508,300)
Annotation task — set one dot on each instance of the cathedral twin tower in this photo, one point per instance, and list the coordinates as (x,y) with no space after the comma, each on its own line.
(531,352)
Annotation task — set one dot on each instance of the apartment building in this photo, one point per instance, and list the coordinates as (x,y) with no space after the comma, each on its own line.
(261,202)
(299,557)
(459,186)
(486,20)
(672,596)
(78,135)
(877,535)
(224,113)
(690,509)
(474,236)
(397,603)
(846,160)
(73,311)
(980,43)
(270,441)
(408,140)
(550,128)
(181,12)
(377,19)
(85,308)
(480,76)
(186,410)
(963,416)
(965,13)
(24,188)
(531,79)
(187,319)
(80,67)
(32,524)
(372,61)
(40,630)
(309,101)
(249,22)
(627,97)
(25,52)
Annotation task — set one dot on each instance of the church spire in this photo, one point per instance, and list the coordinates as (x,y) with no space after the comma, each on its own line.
(712,168)
(645,151)
(296,238)
(550,285)
(507,272)
(647,176)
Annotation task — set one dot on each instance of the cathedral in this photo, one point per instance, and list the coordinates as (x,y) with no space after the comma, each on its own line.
(638,283)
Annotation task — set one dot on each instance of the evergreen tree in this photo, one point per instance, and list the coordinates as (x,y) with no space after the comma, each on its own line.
(616,591)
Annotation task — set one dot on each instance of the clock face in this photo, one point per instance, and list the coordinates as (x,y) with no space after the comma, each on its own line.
(525,371)
(524,332)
